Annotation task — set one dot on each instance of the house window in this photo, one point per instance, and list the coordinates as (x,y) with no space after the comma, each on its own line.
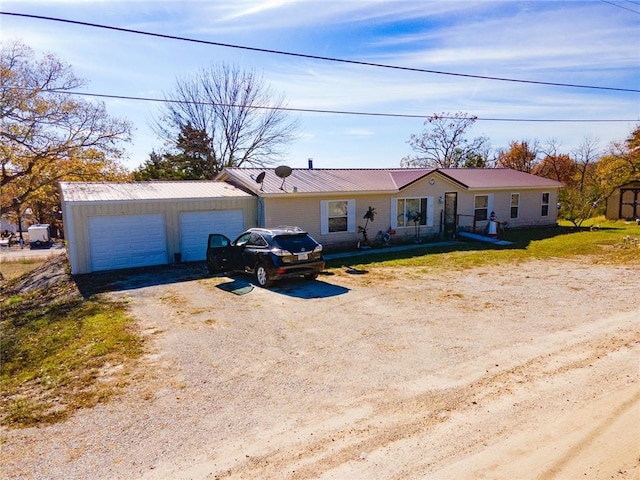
(337,216)
(410,212)
(481,207)
(515,205)
(545,205)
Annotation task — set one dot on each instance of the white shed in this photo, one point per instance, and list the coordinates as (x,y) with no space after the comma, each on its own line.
(122,225)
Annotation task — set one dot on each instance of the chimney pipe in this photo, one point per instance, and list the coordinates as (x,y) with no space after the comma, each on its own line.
(311,164)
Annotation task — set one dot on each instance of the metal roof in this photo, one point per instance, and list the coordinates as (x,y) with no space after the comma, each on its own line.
(323,180)
(142,191)
(310,181)
(496,178)
(319,180)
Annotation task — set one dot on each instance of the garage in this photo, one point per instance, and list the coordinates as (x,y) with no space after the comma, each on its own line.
(114,225)
(127,241)
(195,228)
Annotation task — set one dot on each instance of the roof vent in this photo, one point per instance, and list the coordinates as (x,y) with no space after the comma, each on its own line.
(311,164)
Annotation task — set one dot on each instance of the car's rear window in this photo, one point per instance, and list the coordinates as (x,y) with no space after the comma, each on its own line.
(296,243)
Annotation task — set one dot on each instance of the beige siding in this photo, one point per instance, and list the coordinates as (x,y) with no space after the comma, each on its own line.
(423,189)
(76,218)
(304,212)
(529,211)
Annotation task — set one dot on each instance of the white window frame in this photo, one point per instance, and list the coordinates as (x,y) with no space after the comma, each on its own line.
(324,216)
(544,204)
(489,204)
(395,214)
(516,206)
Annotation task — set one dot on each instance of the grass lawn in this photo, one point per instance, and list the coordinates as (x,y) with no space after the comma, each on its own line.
(60,351)
(611,242)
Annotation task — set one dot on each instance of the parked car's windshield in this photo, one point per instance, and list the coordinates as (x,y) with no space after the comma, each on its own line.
(296,243)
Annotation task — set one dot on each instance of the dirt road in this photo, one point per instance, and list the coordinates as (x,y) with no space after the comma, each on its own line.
(527,371)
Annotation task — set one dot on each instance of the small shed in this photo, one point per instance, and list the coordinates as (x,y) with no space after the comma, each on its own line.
(624,202)
(110,226)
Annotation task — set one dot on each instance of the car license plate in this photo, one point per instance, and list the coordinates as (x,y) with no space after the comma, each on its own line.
(303,256)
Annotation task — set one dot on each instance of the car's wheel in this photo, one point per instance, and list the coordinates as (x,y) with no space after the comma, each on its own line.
(311,276)
(262,275)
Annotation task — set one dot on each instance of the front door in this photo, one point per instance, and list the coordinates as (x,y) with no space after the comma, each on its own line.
(450,213)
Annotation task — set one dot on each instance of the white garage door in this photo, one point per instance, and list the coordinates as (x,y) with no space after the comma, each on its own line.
(195,228)
(127,241)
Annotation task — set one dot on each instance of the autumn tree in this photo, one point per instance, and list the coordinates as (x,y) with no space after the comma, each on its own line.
(583,194)
(555,164)
(233,118)
(623,159)
(443,144)
(521,156)
(47,134)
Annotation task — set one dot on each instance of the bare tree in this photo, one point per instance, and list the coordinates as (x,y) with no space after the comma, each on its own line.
(555,165)
(443,144)
(236,110)
(585,156)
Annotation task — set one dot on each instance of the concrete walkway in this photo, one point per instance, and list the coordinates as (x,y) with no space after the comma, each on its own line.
(382,250)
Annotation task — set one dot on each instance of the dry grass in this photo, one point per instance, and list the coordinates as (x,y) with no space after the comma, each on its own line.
(14,269)
(60,351)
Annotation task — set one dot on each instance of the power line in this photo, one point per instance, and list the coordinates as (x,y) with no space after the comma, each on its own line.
(334,112)
(317,57)
(620,6)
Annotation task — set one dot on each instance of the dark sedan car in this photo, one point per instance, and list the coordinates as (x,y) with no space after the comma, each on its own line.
(268,253)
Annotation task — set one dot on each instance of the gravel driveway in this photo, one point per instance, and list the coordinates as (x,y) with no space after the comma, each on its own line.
(526,371)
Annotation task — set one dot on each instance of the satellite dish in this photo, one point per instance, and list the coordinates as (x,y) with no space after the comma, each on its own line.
(260,178)
(283,172)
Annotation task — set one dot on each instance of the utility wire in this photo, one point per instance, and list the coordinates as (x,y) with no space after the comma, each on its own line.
(316,57)
(620,6)
(334,112)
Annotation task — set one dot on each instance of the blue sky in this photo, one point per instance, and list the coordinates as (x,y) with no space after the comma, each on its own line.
(587,43)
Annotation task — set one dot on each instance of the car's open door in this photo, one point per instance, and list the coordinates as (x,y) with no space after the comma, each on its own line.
(221,255)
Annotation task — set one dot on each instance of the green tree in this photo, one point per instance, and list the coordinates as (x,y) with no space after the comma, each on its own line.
(157,167)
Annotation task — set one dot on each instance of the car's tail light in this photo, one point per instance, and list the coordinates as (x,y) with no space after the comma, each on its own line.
(318,249)
(280,252)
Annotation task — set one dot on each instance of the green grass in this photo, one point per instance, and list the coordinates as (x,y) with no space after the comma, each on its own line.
(611,242)
(57,349)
